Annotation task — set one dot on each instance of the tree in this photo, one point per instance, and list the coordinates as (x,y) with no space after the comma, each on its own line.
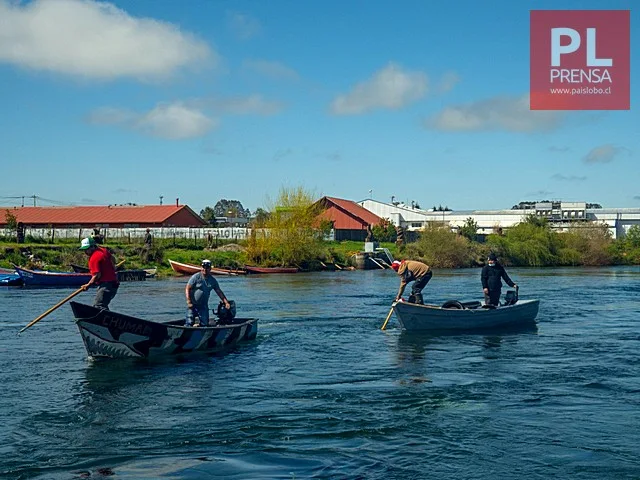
(633,236)
(12,221)
(291,235)
(260,216)
(385,231)
(208,215)
(469,229)
(230,208)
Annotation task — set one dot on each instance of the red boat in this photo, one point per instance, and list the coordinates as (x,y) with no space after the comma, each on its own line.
(250,269)
(187,269)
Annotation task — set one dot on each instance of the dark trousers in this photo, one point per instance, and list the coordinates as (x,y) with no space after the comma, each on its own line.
(105,293)
(416,289)
(493,298)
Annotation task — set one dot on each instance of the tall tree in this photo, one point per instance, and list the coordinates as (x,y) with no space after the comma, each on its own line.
(230,208)
(208,215)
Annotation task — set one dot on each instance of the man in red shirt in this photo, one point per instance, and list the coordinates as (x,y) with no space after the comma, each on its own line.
(103,270)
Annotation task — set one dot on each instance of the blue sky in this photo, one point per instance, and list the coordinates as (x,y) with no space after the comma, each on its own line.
(125,101)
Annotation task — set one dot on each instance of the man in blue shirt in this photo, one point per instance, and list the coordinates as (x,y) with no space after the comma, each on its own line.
(197,292)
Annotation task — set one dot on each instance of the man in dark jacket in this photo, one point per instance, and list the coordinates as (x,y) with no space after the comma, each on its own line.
(491,276)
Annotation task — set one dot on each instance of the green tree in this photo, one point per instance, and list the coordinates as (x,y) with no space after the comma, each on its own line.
(439,247)
(230,208)
(208,215)
(469,229)
(384,231)
(633,236)
(291,235)
(260,217)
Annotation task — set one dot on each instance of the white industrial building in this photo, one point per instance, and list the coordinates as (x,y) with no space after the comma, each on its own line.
(559,214)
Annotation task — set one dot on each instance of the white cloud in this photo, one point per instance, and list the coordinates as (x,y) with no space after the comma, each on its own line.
(243,26)
(269,69)
(390,88)
(96,40)
(173,121)
(603,154)
(249,105)
(498,113)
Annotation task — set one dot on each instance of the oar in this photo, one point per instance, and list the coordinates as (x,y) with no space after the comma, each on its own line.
(384,325)
(51,310)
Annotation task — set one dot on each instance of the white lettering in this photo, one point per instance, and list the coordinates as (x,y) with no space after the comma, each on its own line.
(556,47)
(578,75)
(592,60)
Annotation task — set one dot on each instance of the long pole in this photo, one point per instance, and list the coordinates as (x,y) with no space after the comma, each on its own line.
(384,325)
(51,310)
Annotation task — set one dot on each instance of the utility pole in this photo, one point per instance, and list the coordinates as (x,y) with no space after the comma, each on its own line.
(161,197)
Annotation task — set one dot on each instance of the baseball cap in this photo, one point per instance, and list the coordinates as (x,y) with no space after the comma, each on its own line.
(87,243)
(395,265)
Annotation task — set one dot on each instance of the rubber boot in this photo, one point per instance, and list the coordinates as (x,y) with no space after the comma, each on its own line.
(412,298)
(418,299)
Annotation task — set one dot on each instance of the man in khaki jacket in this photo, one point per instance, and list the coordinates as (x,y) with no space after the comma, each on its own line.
(412,271)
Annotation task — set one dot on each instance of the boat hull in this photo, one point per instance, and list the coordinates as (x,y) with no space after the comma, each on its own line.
(251,269)
(186,269)
(52,279)
(414,317)
(108,334)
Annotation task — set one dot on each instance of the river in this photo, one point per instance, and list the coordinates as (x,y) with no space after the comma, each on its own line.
(324,393)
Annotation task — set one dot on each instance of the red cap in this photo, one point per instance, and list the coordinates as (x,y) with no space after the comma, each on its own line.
(395,265)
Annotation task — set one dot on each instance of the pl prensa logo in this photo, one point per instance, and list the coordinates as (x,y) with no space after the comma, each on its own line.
(579,60)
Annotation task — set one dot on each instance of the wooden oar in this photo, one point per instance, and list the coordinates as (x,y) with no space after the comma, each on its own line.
(384,325)
(119,264)
(51,310)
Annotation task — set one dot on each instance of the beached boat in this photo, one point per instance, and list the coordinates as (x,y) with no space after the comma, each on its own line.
(45,278)
(113,335)
(469,316)
(124,275)
(187,269)
(251,269)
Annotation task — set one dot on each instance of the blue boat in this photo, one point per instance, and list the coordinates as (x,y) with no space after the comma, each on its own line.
(43,278)
(10,280)
(467,316)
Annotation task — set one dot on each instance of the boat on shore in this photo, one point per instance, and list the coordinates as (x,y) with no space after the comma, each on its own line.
(124,275)
(466,316)
(107,334)
(187,269)
(251,269)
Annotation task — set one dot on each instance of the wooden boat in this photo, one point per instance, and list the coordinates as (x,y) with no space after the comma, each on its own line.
(44,278)
(113,335)
(458,316)
(251,269)
(187,269)
(124,275)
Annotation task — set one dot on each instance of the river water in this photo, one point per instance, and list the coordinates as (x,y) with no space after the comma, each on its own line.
(324,393)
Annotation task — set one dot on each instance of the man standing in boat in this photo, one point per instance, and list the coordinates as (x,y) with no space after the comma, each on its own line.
(103,273)
(197,292)
(412,271)
(491,276)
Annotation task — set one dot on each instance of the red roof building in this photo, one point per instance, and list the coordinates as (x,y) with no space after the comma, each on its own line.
(112,216)
(350,220)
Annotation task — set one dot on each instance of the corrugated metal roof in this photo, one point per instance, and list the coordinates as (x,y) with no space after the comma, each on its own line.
(95,215)
(354,209)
